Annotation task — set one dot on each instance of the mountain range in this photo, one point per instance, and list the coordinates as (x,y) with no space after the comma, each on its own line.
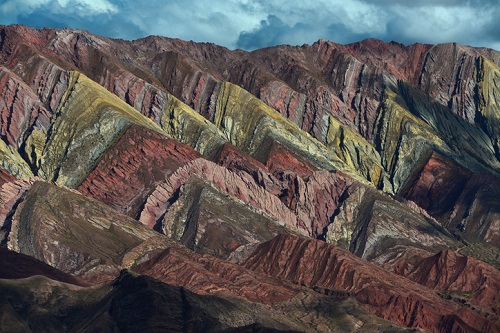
(159,185)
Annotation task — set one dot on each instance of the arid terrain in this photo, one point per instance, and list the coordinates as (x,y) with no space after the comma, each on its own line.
(159,185)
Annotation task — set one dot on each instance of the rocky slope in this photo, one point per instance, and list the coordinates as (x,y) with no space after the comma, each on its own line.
(463,277)
(317,188)
(314,263)
(134,303)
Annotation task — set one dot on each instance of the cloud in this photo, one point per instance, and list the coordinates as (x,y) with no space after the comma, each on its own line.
(100,24)
(339,21)
(82,8)
(434,3)
(437,24)
(490,31)
(273,31)
(99,16)
(251,24)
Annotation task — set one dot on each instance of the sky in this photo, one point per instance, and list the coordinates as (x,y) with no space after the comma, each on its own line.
(252,24)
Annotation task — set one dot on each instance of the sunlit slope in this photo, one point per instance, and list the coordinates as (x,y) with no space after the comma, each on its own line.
(253,126)
(88,122)
(411,126)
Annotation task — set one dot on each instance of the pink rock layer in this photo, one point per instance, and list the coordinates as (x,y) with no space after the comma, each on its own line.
(131,169)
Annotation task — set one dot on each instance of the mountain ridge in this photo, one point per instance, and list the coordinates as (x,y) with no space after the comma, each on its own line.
(181,161)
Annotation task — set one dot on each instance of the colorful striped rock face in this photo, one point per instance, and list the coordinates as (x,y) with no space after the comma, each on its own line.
(159,185)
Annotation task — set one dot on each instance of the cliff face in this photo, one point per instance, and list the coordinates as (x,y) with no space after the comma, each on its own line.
(357,180)
(316,264)
(461,199)
(128,172)
(458,276)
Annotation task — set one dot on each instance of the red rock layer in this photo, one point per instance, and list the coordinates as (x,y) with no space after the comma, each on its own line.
(6,177)
(404,62)
(20,108)
(459,63)
(307,205)
(143,96)
(204,274)
(313,263)
(50,82)
(438,185)
(133,167)
(317,199)
(314,199)
(281,160)
(477,282)
(78,235)
(305,83)
(310,92)
(313,196)
(465,202)
(240,186)
(233,159)
(10,193)
(311,81)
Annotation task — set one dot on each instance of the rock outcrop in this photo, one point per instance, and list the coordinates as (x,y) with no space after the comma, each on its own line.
(89,120)
(459,276)
(139,303)
(78,235)
(6,177)
(180,160)
(130,170)
(296,260)
(19,266)
(464,201)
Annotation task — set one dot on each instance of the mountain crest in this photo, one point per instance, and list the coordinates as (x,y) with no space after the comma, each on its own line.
(318,188)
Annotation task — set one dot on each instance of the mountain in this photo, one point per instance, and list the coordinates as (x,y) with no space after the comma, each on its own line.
(164,185)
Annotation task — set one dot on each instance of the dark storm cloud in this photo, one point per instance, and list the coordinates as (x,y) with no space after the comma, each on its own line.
(99,16)
(251,24)
(471,22)
(491,30)
(273,31)
(341,33)
(465,25)
(269,32)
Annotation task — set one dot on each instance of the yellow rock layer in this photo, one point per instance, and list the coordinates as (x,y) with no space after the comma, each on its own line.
(489,97)
(404,139)
(186,125)
(489,88)
(34,147)
(13,163)
(355,151)
(250,124)
(411,126)
(89,120)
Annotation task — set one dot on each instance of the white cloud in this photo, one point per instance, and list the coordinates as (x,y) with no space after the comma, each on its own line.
(79,7)
(215,21)
(440,24)
(90,7)
(263,23)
